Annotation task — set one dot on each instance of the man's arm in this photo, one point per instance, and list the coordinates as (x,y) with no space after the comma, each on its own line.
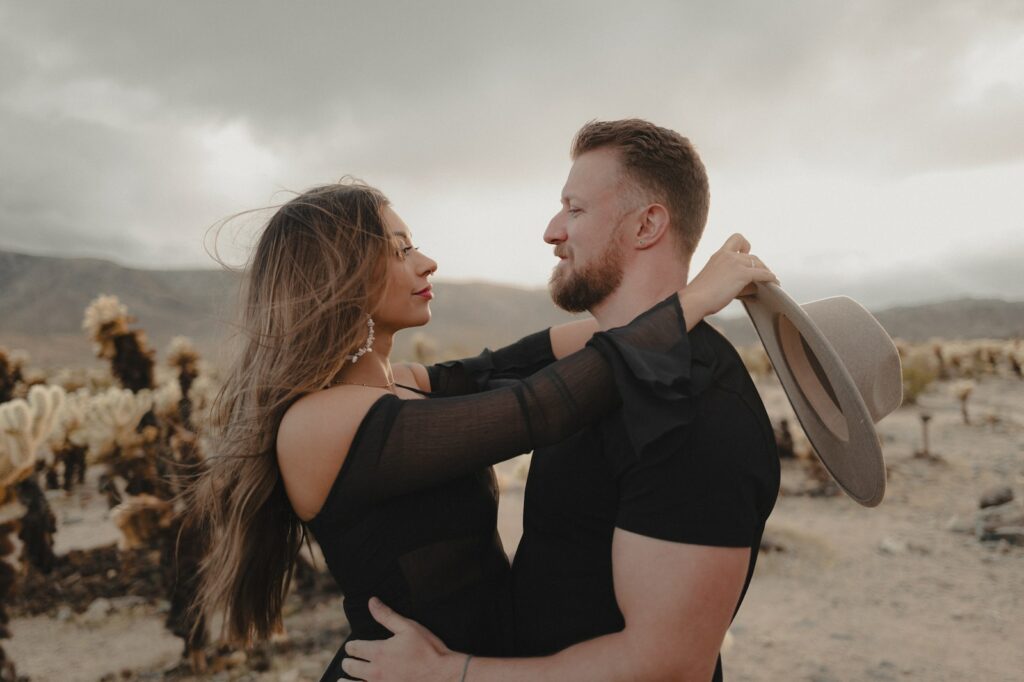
(677,600)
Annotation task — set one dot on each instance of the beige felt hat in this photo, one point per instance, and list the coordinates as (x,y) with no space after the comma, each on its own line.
(841,373)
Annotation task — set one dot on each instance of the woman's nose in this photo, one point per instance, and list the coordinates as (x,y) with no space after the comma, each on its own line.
(428,266)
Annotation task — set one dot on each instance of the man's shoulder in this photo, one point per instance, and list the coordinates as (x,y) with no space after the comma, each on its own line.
(716,363)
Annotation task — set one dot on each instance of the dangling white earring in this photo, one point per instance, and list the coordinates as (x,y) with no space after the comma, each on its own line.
(366,347)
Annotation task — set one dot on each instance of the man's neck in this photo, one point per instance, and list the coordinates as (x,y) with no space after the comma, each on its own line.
(641,288)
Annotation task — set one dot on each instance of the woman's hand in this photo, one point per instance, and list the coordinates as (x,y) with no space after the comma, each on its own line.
(730,272)
(413,653)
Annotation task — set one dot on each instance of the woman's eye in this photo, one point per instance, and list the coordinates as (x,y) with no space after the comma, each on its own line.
(404,251)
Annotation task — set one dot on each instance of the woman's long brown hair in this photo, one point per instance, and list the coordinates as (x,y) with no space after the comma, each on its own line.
(317,272)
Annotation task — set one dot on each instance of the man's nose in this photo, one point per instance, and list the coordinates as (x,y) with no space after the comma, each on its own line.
(555,233)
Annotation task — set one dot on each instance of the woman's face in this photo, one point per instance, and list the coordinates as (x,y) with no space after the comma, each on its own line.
(406,301)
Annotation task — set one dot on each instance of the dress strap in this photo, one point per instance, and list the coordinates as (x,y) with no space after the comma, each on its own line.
(414,390)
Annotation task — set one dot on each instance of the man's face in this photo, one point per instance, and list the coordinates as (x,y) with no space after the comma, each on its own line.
(586,232)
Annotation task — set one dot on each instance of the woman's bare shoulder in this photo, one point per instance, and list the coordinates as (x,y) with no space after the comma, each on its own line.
(413,374)
(313,441)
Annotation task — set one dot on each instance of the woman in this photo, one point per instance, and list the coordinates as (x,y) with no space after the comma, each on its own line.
(317,430)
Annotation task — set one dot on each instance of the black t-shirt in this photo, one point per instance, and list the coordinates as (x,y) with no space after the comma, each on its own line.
(712,480)
(410,517)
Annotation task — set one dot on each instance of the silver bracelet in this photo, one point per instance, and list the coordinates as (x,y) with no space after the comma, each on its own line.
(465,667)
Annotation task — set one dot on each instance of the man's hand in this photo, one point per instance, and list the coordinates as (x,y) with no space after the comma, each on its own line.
(730,272)
(413,653)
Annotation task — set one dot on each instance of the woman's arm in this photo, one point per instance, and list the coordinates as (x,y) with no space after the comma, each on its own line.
(420,443)
(708,293)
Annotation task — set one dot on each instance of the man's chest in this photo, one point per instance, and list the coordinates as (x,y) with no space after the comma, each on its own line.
(572,490)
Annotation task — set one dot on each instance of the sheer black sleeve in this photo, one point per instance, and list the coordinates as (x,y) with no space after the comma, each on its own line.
(408,445)
(492,369)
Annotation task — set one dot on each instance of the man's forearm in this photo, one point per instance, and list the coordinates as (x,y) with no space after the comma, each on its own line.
(617,657)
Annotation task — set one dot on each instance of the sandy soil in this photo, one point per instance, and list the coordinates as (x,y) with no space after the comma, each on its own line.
(890,593)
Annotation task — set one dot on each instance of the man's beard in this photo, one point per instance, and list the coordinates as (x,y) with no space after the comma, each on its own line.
(581,290)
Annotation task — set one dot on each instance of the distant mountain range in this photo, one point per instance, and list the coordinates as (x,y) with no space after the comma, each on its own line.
(42,300)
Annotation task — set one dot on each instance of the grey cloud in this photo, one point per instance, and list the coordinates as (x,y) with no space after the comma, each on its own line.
(847,85)
(441,93)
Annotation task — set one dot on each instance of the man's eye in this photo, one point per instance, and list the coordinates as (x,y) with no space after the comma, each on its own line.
(573,211)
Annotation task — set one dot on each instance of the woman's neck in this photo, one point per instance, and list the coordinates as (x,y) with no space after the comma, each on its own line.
(373,368)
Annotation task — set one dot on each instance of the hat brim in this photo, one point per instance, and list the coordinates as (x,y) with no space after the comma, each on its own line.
(849,450)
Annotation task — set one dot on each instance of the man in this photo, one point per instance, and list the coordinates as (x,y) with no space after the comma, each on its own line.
(632,564)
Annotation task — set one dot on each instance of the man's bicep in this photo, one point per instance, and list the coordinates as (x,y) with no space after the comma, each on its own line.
(677,599)
(710,488)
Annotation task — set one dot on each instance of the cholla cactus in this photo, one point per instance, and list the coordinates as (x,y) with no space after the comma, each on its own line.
(183,357)
(201,396)
(26,425)
(105,318)
(106,321)
(1015,358)
(920,368)
(92,379)
(66,441)
(925,452)
(10,567)
(110,433)
(10,373)
(25,515)
(110,422)
(167,400)
(141,518)
(962,390)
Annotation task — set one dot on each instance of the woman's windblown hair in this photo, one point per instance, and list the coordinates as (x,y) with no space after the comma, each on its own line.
(317,272)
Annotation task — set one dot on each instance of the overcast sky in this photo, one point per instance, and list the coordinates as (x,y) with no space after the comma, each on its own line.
(868,148)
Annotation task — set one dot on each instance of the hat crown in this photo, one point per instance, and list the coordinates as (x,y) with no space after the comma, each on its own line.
(865,349)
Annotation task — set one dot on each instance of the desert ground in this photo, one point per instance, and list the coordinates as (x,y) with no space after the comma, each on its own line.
(903,591)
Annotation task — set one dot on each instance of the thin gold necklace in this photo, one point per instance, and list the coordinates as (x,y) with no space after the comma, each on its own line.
(356,383)
(386,387)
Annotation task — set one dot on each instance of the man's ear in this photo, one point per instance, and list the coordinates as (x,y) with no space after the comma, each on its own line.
(652,226)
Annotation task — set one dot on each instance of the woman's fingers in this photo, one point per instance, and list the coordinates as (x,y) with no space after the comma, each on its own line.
(736,243)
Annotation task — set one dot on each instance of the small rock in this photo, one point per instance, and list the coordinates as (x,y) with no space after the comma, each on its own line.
(126,602)
(1011,535)
(64,613)
(97,611)
(957,524)
(990,518)
(891,545)
(994,497)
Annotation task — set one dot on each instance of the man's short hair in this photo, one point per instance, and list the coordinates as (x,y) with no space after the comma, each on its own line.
(662,164)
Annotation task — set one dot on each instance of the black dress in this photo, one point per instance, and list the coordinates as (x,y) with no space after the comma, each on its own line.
(411,517)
